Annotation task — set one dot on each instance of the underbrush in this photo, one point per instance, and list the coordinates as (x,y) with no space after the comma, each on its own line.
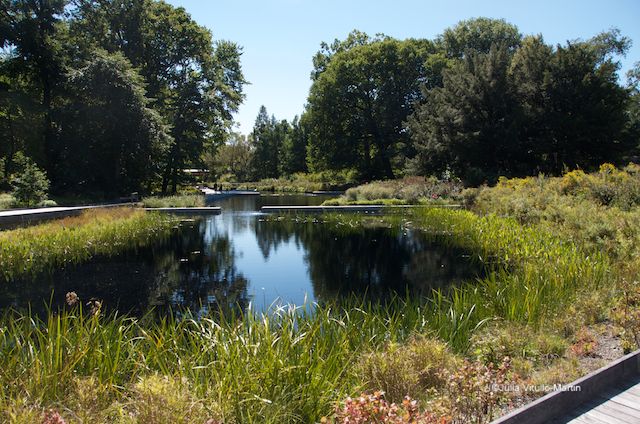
(599,211)
(30,250)
(409,190)
(298,183)
(177,201)
(8,201)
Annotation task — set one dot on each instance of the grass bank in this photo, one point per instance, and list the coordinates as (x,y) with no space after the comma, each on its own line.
(28,251)
(298,183)
(406,191)
(177,201)
(529,320)
(289,366)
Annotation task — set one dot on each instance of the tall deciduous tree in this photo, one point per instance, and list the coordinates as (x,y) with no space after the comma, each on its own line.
(233,158)
(478,35)
(30,27)
(113,140)
(194,83)
(358,103)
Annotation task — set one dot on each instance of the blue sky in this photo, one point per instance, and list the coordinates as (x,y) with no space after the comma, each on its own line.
(280,37)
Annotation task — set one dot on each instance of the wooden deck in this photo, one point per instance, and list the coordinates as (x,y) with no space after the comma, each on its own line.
(616,404)
(610,395)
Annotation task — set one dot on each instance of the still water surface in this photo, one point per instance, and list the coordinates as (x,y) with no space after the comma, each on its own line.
(240,257)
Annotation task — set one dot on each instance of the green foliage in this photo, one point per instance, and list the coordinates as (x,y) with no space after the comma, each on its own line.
(409,190)
(597,210)
(519,342)
(478,35)
(414,369)
(31,185)
(358,103)
(179,201)
(7,201)
(28,251)
(286,366)
(232,160)
(267,138)
(108,158)
(299,182)
(70,60)
(504,111)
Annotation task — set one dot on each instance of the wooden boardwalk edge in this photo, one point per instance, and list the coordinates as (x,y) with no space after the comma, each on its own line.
(554,405)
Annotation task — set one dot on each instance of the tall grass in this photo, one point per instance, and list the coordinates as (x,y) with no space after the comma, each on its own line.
(28,251)
(290,365)
(531,274)
(408,190)
(178,201)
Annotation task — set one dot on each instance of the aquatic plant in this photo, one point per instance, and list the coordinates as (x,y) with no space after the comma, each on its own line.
(30,250)
(178,201)
(291,365)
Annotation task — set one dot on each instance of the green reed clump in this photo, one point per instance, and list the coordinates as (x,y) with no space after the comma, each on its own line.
(28,251)
(291,365)
(531,274)
(178,201)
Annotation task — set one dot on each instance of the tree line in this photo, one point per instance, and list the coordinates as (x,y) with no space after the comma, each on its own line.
(479,101)
(112,96)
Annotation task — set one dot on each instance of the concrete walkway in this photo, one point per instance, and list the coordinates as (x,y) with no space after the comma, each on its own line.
(19,216)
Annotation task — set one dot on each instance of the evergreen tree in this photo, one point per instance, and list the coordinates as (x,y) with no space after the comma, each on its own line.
(468,125)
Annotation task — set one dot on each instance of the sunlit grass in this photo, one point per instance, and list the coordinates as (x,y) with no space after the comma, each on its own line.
(290,365)
(28,251)
(178,201)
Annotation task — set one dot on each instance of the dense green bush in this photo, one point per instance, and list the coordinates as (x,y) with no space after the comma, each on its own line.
(31,185)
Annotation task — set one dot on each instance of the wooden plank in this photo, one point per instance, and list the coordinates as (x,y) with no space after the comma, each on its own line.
(632,412)
(622,401)
(612,393)
(559,403)
(618,411)
(606,418)
(634,390)
(581,420)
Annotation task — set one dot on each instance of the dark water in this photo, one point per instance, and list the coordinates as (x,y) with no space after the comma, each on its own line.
(241,257)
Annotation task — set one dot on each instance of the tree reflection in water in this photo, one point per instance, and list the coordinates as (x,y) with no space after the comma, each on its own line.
(181,272)
(221,262)
(378,262)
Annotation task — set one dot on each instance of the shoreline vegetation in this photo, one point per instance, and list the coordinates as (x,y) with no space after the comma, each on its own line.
(556,294)
(177,201)
(30,250)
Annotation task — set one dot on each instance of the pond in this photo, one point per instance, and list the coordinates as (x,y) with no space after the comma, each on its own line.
(242,257)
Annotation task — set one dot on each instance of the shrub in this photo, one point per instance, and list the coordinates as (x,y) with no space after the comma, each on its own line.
(411,369)
(30,186)
(517,341)
(409,190)
(7,201)
(476,390)
(373,408)
(178,201)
